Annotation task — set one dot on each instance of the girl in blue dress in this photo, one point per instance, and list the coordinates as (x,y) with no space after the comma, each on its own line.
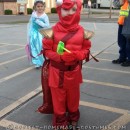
(38,20)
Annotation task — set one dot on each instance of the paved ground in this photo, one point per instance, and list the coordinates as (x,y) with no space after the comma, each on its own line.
(105,93)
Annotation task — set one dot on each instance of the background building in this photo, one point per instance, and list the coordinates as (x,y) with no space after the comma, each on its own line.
(104,3)
(21,5)
(98,3)
(8,4)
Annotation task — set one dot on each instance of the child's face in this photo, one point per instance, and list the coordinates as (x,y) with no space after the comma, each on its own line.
(40,7)
(66,12)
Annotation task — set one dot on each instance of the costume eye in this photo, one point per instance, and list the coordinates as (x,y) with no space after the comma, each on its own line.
(65,9)
(74,9)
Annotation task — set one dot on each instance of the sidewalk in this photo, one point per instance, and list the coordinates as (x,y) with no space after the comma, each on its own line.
(101,11)
(95,15)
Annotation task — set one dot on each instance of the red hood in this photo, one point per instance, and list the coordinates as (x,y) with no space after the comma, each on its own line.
(70,22)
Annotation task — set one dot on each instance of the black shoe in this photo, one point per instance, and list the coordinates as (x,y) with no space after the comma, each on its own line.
(37,67)
(118,61)
(126,64)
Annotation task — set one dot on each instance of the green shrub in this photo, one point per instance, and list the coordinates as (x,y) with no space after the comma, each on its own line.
(53,10)
(29,11)
(8,12)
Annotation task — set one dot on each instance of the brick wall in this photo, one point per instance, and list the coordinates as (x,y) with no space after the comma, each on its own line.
(47,10)
(1,8)
(11,5)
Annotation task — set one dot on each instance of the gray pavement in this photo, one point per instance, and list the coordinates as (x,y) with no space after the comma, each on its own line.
(105,92)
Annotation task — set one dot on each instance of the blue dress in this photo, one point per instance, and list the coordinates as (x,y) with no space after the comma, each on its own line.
(35,38)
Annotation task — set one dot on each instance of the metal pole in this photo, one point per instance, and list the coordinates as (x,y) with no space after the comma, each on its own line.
(110,9)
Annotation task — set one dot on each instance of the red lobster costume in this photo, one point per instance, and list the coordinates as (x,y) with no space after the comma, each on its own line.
(65,70)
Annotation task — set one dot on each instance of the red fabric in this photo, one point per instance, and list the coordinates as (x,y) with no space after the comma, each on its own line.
(76,43)
(47,106)
(67,4)
(67,99)
(49,51)
(60,122)
(70,22)
(74,116)
(79,55)
(68,57)
(84,53)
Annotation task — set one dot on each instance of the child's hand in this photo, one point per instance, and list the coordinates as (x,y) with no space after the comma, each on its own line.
(79,55)
(37,20)
(68,57)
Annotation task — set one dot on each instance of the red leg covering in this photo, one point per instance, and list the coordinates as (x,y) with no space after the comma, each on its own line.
(47,106)
(73,96)
(73,116)
(60,121)
(65,99)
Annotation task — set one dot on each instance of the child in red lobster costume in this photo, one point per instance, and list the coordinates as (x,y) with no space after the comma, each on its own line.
(65,70)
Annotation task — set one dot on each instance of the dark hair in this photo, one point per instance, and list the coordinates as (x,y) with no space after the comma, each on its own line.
(41,2)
